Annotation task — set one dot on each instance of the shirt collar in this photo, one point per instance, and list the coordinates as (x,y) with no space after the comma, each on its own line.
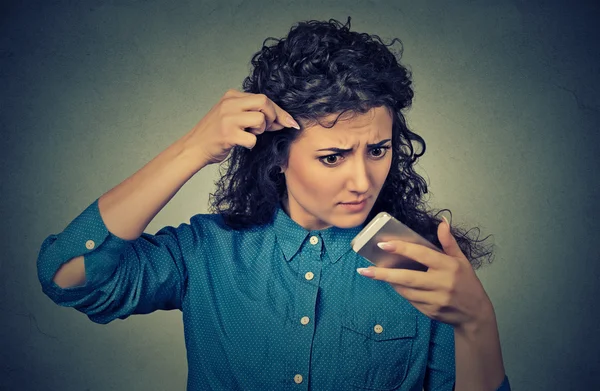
(290,236)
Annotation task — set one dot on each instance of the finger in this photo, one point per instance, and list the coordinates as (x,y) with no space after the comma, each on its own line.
(407,278)
(231,93)
(276,117)
(283,119)
(256,132)
(251,121)
(416,252)
(245,139)
(429,298)
(246,102)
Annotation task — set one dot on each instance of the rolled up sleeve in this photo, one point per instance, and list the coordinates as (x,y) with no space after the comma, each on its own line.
(123,277)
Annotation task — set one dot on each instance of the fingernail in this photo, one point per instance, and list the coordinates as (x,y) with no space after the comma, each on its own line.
(366,272)
(385,246)
(446,220)
(290,121)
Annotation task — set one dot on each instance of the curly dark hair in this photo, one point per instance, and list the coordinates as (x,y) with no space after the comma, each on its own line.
(319,69)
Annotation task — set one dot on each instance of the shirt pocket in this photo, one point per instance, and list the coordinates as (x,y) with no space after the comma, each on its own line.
(377,349)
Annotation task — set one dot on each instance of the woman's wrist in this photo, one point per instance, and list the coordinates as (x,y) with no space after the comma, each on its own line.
(193,158)
(485,320)
(479,363)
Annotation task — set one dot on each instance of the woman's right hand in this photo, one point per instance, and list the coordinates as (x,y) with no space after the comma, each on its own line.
(236,119)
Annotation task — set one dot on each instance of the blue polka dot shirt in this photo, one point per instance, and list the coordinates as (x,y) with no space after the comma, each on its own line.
(275,307)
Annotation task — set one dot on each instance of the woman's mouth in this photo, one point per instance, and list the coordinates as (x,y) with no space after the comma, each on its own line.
(354,206)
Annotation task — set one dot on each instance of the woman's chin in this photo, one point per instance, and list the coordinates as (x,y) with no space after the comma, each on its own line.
(350,221)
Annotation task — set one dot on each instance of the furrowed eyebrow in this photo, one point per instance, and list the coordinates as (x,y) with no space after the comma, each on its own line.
(379,144)
(340,150)
(336,150)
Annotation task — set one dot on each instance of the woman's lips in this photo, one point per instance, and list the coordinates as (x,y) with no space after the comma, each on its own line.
(354,206)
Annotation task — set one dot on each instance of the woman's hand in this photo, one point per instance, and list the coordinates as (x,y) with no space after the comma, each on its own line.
(449,291)
(236,119)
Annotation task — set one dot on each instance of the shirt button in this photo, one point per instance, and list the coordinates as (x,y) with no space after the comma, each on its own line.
(314,240)
(309,275)
(305,320)
(298,378)
(378,329)
(90,244)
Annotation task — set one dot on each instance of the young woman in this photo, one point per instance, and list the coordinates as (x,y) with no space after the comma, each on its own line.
(273,297)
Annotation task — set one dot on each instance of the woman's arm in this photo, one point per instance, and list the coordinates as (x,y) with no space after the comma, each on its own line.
(130,206)
(479,364)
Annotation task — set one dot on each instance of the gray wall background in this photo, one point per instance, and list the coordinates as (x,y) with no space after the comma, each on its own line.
(506,99)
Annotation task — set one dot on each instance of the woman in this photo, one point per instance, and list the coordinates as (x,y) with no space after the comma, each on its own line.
(268,285)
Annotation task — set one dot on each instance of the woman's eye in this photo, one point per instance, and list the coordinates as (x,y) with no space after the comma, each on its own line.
(376,152)
(330,160)
(379,151)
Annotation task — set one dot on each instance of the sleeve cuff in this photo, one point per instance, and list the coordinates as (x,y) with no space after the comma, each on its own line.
(86,235)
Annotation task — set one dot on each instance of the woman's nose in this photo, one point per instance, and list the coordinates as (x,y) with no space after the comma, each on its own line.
(359,178)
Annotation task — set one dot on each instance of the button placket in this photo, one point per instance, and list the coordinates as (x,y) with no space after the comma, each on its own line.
(307,285)
(312,254)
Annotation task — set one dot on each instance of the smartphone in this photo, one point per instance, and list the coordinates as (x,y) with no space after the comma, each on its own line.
(382,228)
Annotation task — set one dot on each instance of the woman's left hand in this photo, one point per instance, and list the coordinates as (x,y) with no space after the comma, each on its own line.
(449,291)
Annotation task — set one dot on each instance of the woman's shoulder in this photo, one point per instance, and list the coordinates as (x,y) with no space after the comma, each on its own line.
(212,230)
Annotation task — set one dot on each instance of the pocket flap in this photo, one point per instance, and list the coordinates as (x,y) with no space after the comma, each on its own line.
(381,327)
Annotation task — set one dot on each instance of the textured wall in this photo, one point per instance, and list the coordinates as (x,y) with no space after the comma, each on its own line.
(506,99)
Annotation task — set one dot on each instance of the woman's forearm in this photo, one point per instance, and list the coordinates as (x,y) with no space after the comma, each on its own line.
(130,206)
(478,355)
(127,208)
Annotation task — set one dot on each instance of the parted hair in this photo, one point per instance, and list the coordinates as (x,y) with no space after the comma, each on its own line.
(322,68)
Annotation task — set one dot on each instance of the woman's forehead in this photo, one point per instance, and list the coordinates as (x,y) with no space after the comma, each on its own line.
(369,127)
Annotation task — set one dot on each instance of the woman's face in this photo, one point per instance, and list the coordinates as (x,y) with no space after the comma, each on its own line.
(334,175)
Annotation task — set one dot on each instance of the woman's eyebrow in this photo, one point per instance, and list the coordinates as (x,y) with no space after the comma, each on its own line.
(341,150)
(379,144)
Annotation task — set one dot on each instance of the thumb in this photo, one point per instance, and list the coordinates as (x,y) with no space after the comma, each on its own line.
(447,240)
